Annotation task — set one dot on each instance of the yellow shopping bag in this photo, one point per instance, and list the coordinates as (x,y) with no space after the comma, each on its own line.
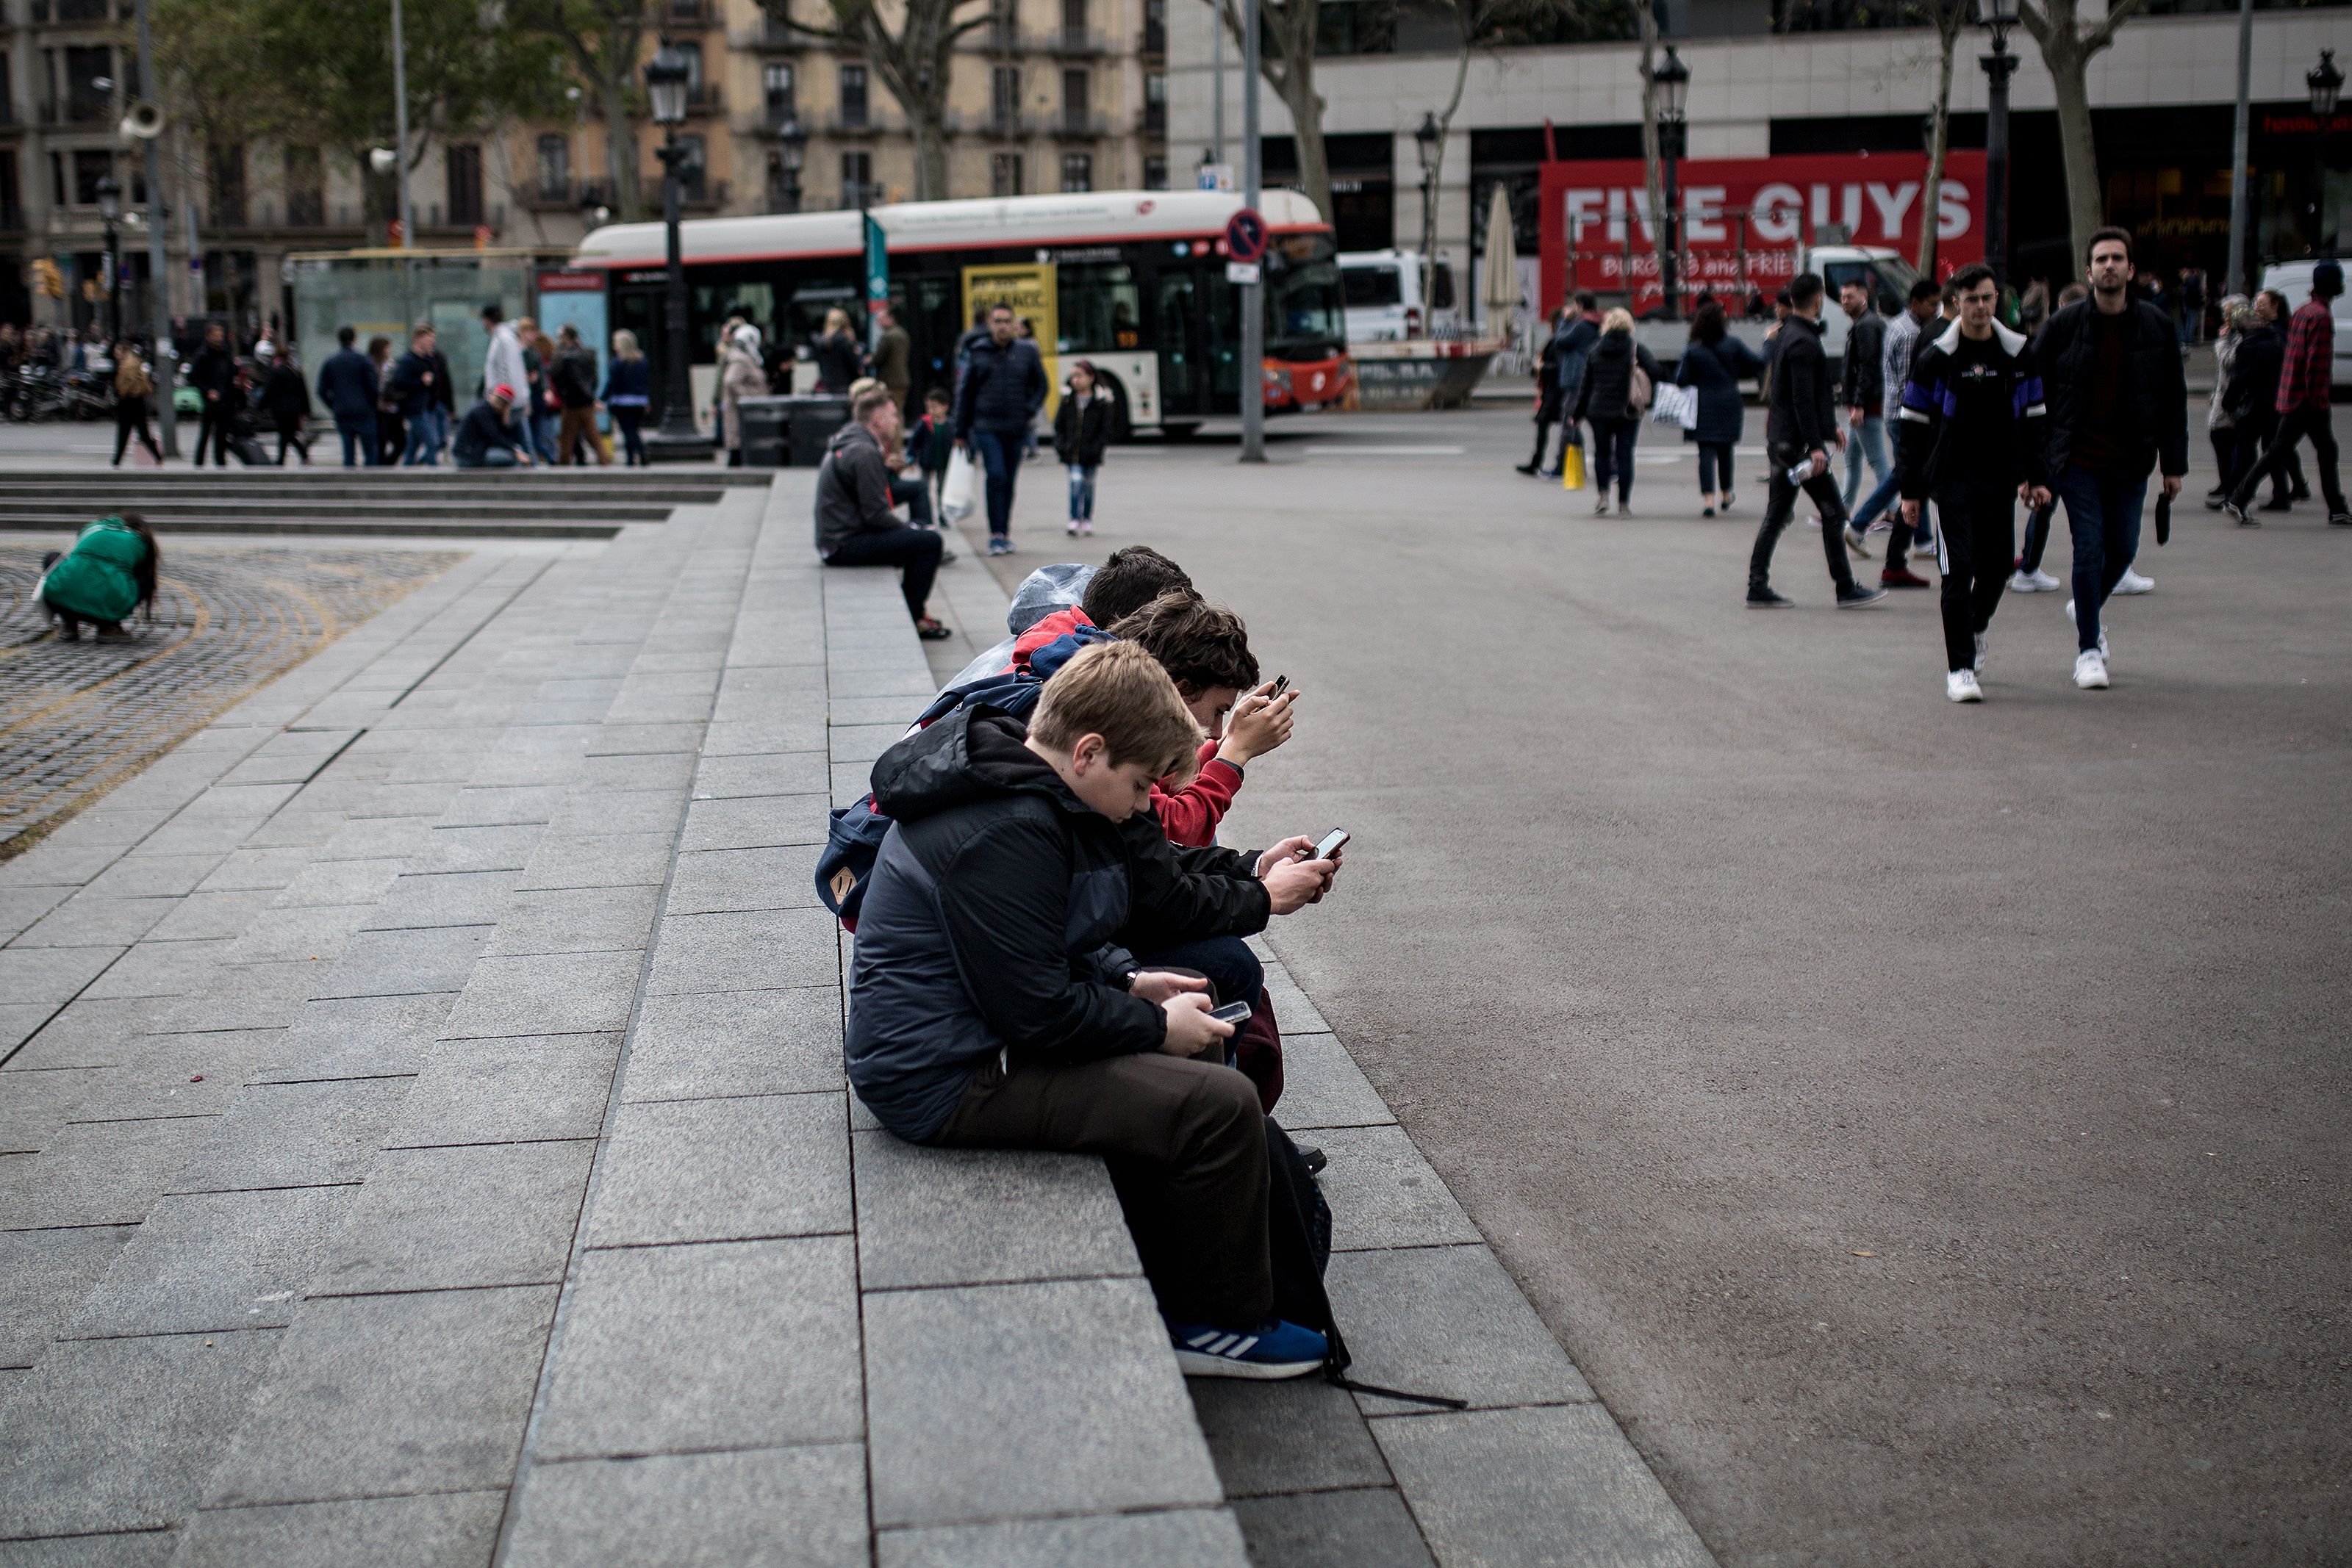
(1571,467)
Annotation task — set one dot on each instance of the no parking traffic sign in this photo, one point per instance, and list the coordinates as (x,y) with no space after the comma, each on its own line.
(1245,235)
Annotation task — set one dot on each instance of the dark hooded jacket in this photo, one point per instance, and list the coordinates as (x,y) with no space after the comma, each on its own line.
(999,918)
(852,489)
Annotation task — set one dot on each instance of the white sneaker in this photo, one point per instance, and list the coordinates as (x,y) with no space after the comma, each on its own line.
(2133,582)
(1924,550)
(1961,686)
(1857,543)
(1600,504)
(2091,670)
(1978,666)
(2104,653)
(2031,583)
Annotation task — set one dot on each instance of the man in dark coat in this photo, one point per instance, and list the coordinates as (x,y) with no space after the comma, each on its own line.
(1003,389)
(2118,408)
(415,387)
(285,400)
(347,385)
(855,525)
(213,374)
(1798,433)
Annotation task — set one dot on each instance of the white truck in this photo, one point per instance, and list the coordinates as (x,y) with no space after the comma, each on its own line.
(1888,273)
(2293,279)
(1384,303)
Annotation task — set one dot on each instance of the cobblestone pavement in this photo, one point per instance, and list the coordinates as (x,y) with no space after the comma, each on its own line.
(78,717)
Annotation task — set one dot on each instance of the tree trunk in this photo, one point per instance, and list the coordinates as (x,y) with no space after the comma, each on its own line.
(929,124)
(1931,189)
(1653,159)
(1306,106)
(620,139)
(2085,204)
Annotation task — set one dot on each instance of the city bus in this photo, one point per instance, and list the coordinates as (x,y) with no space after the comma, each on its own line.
(1131,280)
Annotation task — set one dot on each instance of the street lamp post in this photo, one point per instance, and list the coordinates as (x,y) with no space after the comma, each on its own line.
(1999,15)
(2324,83)
(1671,80)
(668,76)
(109,207)
(1428,145)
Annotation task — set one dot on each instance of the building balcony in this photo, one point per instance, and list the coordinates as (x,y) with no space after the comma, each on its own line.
(76,112)
(769,37)
(1009,126)
(686,14)
(1073,43)
(709,196)
(41,12)
(1079,125)
(705,99)
(563,195)
(1152,123)
(852,127)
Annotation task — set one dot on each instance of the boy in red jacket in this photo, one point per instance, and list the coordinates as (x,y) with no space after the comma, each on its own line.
(1131,578)
(1205,650)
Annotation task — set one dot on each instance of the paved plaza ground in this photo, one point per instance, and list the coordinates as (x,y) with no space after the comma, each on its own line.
(1923,1125)
(1919,1126)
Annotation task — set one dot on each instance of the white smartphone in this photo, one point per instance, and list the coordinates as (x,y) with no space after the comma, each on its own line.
(1331,844)
(1235,1013)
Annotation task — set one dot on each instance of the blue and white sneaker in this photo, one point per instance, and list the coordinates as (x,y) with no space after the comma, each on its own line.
(998,544)
(1272,1351)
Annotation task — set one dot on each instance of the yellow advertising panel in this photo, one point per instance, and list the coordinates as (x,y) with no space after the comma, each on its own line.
(1033,291)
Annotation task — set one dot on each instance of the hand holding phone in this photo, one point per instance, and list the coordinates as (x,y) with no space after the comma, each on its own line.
(1235,1013)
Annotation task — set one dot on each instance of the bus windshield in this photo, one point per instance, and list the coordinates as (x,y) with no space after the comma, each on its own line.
(1305,313)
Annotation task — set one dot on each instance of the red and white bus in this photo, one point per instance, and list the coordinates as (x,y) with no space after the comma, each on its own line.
(1132,280)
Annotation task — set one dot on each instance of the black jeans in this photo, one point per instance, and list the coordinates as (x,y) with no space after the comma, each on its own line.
(627,418)
(1233,971)
(1612,456)
(212,427)
(1781,505)
(2102,512)
(2303,422)
(2037,537)
(289,434)
(1714,468)
(916,549)
(913,495)
(129,416)
(1974,550)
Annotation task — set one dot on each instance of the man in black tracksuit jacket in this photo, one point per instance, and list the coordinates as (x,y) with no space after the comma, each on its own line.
(1971,437)
(996,1001)
(1801,428)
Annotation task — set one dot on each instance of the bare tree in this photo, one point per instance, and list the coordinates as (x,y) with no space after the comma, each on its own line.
(1288,63)
(914,63)
(603,39)
(2067,46)
(1949,18)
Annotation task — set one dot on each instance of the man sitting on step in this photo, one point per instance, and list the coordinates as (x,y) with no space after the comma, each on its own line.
(992,1005)
(486,439)
(855,523)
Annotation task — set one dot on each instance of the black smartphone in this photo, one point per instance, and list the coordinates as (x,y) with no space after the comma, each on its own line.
(2163,521)
(1331,844)
(1235,1013)
(1281,685)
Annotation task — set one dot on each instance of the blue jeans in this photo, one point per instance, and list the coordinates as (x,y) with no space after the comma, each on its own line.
(491,457)
(2103,515)
(1234,974)
(1882,499)
(1082,494)
(542,436)
(999,452)
(1867,440)
(359,433)
(425,434)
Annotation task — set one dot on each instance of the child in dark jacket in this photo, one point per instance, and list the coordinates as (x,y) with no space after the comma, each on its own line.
(1081,436)
(932,444)
(994,1002)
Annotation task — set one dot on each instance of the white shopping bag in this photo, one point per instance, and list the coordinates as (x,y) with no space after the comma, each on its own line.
(962,492)
(1676,405)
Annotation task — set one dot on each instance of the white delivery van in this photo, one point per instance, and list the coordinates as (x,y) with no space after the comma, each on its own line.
(2293,279)
(1383,296)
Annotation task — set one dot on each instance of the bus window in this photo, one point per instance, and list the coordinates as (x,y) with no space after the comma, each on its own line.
(1180,376)
(1373,287)
(1305,316)
(1099,306)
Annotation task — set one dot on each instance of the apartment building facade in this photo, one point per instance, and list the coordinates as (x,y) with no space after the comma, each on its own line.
(1047,95)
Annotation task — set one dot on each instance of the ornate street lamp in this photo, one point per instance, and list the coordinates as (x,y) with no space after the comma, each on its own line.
(792,157)
(667,76)
(1671,80)
(1428,145)
(2324,83)
(109,207)
(1999,15)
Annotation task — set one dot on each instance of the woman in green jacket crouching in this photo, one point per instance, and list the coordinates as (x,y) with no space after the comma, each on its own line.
(110,572)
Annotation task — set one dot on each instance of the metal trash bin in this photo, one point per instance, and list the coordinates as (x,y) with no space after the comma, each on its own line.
(814,419)
(767,434)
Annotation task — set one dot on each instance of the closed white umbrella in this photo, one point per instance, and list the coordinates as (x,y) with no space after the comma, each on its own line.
(1498,275)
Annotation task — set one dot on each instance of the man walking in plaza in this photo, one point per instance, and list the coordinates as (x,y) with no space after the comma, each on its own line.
(573,377)
(1902,340)
(1970,434)
(1863,392)
(347,385)
(2118,407)
(998,400)
(1799,430)
(502,361)
(894,354)
(2302,404)
(416,378)
(213,374)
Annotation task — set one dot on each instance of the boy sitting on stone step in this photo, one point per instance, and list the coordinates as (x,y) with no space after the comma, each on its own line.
(990,1006)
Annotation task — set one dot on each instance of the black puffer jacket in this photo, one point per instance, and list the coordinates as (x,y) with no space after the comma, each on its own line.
(1803,416)
(2252,392)
(998,916)
(1609,377)
(1004,387)
(2156,413)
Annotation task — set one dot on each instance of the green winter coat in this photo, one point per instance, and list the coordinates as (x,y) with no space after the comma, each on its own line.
(97,579)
